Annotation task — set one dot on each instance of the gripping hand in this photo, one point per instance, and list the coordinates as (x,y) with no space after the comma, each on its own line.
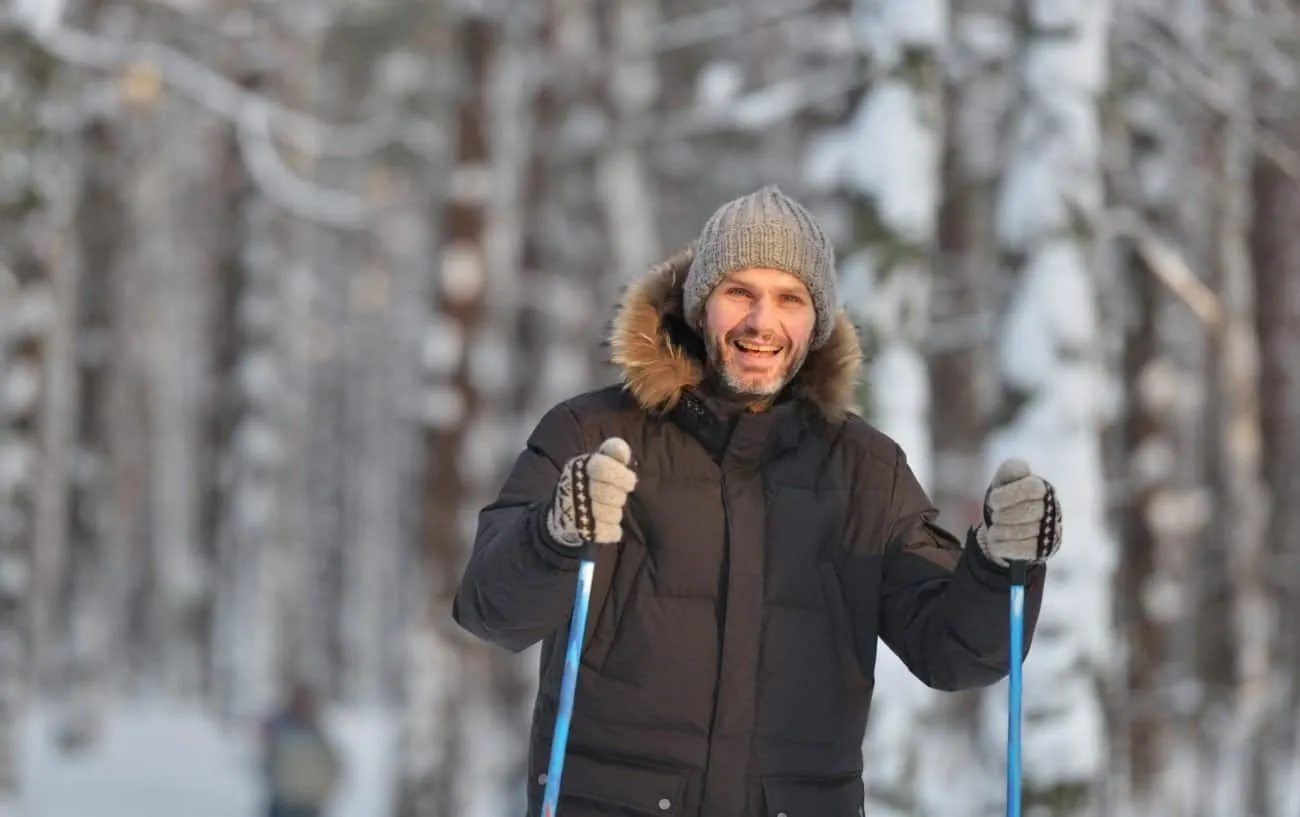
(591,495)
(1022,518)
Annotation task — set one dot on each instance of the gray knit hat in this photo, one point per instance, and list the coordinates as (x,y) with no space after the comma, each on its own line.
(768,229)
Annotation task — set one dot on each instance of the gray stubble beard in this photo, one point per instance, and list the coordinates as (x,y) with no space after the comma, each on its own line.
(717,362)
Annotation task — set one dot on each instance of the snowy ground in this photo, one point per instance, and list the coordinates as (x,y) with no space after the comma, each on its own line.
(157,762)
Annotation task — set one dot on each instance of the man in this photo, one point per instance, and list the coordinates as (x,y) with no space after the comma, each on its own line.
(755,539)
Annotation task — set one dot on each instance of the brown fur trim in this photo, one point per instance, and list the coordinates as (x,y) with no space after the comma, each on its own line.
(660,356)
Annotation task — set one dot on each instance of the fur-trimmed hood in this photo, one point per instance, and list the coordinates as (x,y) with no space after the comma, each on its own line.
(660,356)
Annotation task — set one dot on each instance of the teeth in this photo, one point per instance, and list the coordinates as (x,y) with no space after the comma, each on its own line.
(750,347)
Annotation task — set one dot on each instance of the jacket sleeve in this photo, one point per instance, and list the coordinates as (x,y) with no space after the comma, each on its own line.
(518,585)
(944,609)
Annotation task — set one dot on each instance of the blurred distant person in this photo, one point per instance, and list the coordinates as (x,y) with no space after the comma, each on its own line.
(753,537)
(300,764)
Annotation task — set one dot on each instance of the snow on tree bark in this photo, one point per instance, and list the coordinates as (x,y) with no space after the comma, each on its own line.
(1052,403)
(467,744)
(965,294)
(27,314)
(977,60)
(887,163)
(624,180)
(173,269)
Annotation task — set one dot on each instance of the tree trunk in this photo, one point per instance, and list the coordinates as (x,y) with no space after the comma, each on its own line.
(1274,246)
(1050,410)
(30,286)
(467,749)
(1164,509)
(87,624)
(1233,608)
(886,275)
(965,295)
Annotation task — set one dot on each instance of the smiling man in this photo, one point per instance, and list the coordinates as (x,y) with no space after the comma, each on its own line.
(756,538)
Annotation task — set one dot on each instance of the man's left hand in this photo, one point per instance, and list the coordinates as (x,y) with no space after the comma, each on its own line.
(1022,519)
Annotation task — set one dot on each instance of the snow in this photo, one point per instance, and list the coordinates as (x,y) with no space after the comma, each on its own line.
(985,37)
(492,361)
(463,276)
(767,106)
(160,761)
(443,406)
(888,153)
(902,404)
(42,17)
(885,29)
(719,84)
(442,347)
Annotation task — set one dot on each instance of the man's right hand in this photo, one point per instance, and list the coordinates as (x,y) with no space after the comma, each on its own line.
(590,496)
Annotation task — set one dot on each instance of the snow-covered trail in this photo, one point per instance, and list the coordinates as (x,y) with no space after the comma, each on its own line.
(160,762)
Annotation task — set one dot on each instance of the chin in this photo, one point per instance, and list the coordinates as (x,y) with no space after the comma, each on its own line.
(755,386)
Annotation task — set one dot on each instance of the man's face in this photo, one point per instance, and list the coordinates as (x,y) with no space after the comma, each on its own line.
(757,327)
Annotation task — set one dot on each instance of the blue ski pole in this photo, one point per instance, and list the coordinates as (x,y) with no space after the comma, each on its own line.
(1018,570)
(572,652)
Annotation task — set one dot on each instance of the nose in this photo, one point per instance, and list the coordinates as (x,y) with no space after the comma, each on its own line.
(761,317)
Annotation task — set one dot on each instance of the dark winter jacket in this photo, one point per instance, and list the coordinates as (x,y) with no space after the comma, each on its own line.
(732,635)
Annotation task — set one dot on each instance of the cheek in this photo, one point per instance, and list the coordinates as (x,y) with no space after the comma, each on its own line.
(720,320)
(800,328)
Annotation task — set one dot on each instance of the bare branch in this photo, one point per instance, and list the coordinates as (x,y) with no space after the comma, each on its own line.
(1205,88)
(1171,268)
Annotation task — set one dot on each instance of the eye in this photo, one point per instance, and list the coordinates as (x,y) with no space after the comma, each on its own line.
(791,298)
(737,292)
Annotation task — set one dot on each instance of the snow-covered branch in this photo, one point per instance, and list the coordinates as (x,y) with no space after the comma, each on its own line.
(254,113)
(722,22)
(287,189)
(753,112)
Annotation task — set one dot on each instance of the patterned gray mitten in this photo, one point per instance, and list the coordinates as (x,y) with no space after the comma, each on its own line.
(1022,519)
(590,496)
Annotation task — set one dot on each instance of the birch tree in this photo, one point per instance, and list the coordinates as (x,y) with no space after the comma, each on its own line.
(1051,407)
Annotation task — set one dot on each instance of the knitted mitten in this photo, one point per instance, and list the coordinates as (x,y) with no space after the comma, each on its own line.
(1022,519)
(589,498)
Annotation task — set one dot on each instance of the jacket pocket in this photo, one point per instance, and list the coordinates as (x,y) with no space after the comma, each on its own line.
(852,676)
(837,797)
(591,787)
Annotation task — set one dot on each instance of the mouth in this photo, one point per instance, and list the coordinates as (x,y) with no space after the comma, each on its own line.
(756,351)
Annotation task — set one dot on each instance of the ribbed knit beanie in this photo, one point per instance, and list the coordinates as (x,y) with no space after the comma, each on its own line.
(765,229)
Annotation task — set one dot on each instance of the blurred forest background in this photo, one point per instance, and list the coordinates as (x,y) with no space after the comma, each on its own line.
(285,283)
